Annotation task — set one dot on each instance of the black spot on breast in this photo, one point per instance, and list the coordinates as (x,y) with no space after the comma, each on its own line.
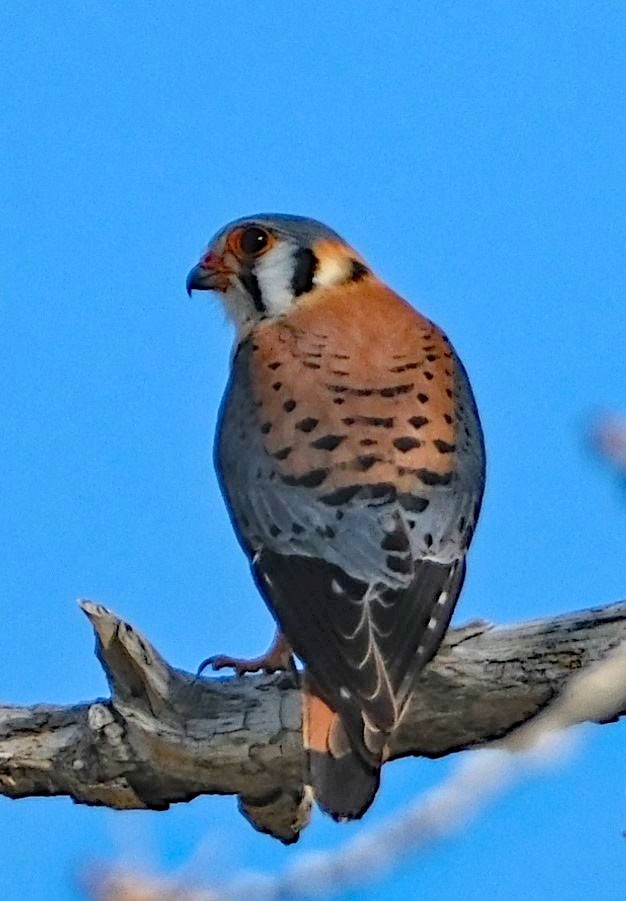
(431,357)
(337,389)
(304,271)
(275,531)
(404,367)
(307,424)
(395,390)
(383,491)
(368,442)
(311,365)
(289,406)
(396,541)
(383,422)
(339,401)
(275,365)
(328,442)
(418,421)
(428,375)
(341,356)
(266,428)
(405,443)
(283,453)
(412,503)
(443,447)
(311,479)
(422,398)
(403,565)
(296,528)
(349,420)
(461,523)
(341,495)
(428,539)
(429,477)
(366,461)
(447,418)
(277,386)
(325,531)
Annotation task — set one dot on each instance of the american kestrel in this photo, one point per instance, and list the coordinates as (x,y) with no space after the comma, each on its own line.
(350,456)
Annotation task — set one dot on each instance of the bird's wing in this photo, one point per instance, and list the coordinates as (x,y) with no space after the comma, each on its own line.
(362,643)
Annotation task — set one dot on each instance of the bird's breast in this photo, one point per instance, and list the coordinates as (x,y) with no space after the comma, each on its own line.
(357,396)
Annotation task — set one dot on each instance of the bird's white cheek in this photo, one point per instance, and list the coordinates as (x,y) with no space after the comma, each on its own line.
(274,273)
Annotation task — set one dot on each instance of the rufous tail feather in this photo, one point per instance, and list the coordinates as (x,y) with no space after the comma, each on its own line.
(343,783)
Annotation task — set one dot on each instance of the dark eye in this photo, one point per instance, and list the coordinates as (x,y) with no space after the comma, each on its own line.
(253,240)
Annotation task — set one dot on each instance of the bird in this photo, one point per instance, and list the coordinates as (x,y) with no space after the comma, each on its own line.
(350,456)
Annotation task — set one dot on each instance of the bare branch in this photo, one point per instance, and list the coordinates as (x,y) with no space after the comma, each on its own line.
(596,692)
(165,736)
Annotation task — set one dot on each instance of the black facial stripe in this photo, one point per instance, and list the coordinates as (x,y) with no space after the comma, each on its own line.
(358,271)
(304,272)
(251,284)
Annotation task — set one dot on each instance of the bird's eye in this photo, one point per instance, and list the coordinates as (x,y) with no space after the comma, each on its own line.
(253,240)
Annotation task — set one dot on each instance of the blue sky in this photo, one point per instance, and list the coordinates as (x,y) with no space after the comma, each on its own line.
(474,153)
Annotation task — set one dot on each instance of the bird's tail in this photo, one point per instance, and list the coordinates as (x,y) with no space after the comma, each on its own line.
(344,783)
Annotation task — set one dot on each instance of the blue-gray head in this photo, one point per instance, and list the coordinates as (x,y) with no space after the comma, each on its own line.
(263,265)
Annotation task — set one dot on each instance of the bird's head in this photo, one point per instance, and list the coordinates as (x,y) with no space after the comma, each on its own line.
(264,265)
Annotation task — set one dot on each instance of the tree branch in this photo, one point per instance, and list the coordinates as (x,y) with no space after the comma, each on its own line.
(165,736)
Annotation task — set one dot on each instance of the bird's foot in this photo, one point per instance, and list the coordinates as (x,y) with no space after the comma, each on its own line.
(278,657)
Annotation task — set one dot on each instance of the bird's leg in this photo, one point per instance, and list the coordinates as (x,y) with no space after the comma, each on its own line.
(277,657)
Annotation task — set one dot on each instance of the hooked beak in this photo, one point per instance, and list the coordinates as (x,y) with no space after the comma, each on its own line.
(208,275)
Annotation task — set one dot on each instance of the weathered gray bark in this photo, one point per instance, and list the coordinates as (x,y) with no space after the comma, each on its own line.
(165,736)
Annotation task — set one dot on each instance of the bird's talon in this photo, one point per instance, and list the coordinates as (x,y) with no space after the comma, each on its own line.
(277,658)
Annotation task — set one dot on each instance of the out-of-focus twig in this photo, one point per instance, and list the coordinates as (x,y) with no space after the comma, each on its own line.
(121,885)
(608,438)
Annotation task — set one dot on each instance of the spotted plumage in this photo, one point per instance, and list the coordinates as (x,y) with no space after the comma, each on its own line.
(351,459)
